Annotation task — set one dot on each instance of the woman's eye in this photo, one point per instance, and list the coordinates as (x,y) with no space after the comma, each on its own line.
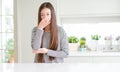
(48,14)
(42,15)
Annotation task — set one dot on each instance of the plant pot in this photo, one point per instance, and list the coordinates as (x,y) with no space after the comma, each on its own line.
(93,45)
(73,46)
(118,45)
(108,44)
(82,49)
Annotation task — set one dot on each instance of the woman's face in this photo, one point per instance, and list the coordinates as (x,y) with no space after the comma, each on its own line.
(46,13)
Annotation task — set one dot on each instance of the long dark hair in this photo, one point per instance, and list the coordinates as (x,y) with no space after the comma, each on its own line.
(53,44)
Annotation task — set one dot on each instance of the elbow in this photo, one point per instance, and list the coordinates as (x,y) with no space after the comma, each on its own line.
(66,55)
(34,47)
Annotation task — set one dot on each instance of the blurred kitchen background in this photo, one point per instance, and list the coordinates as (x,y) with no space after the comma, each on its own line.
(92,27)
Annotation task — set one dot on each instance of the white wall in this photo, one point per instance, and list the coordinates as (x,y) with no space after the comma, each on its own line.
(78,8)
(27,11)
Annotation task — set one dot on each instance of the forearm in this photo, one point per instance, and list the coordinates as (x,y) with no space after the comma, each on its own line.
(36,38)
(57,53)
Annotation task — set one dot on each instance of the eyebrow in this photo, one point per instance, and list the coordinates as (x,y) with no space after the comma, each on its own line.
(46,13)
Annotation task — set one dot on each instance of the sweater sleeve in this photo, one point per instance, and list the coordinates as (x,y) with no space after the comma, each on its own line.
(36,38)
(63,52)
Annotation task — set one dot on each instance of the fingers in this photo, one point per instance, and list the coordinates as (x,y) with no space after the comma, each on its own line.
(37,51)
(42,50)
(44,22)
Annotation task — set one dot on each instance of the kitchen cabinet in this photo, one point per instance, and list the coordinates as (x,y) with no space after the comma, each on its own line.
(93,57)
(81,8)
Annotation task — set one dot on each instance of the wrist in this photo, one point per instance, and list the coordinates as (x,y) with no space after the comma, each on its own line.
(40,28)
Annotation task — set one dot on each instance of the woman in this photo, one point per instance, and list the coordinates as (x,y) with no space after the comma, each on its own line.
(49,42)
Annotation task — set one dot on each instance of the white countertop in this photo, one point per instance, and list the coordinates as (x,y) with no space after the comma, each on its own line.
(61,67)
(78,53)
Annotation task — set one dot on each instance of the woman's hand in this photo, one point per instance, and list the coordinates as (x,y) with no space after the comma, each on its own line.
(44,22)
(41,50)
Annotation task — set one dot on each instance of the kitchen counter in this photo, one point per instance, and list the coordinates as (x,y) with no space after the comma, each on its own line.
(78,53)
(61,67)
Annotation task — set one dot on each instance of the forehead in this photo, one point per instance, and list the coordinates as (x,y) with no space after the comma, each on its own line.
(45,10)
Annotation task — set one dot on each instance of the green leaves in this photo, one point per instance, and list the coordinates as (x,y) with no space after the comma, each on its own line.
(95,37)
(73,39)
(82,41)
(10,44)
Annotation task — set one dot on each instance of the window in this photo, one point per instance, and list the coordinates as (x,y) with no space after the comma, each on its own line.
(6,31)
(88,29)
(85,27)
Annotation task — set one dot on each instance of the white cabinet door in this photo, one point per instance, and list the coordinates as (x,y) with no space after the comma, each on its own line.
(92,59)
(78,59)
(89,7)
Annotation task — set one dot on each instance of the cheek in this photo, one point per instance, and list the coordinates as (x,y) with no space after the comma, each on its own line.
(49,17)
(42,17)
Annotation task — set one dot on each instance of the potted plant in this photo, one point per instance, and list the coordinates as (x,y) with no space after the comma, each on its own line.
(94,42)
(73,43)
(118,42)
(82,44)
(108,42)
(10,48)
(11,57)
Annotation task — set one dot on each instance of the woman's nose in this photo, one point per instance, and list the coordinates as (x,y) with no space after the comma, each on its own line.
(45,16)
